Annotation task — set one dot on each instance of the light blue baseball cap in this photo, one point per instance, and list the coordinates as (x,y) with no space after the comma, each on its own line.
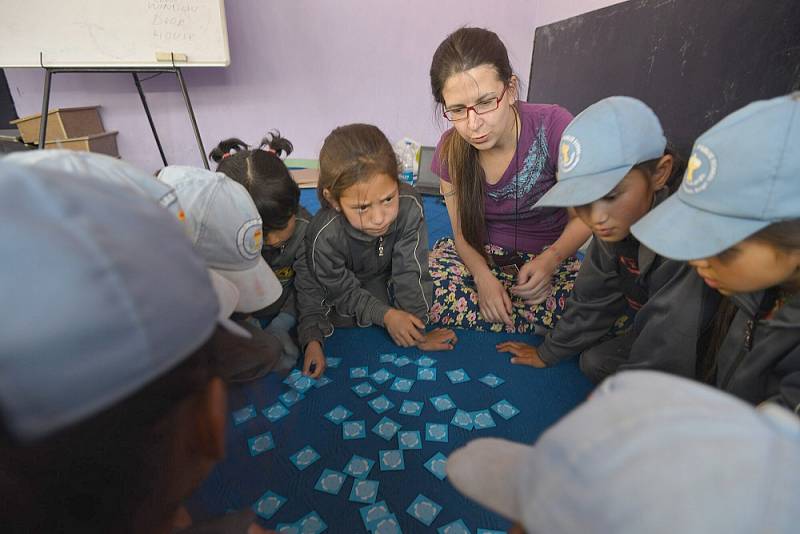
(742,176)
(600,146)
(102,293)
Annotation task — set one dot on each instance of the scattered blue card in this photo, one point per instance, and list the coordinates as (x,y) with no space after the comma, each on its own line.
(354,430)
(358,467)
(387,358)
(505,409)
(436,432)
(487,531)
(373,512)
(456,527)
(491,380)
(409,439)
(457,376)
(391,460)
(364,491)
(287,528)
(275,412)
(311,523)
(332,363)
(261,443)
(386,428)
(380,404)
(381,376)
(244,414)
(436,465)
(338,414)
(268,504)
(363,389)
(304,457)
(402,361)
(482,419)
(359,372)
(442,403)
(426,373)
(330,481)
(292,377)
(424,510)
(322,381)
(291,397)
(303,384)
(425,361)
(402,385)
(386,525)
(462,419)
(410,407)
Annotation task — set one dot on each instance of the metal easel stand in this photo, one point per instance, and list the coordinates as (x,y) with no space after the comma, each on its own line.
(49,71)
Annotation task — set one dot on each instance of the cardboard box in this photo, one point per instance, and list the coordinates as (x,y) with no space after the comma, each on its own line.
(104,143)
(62,123)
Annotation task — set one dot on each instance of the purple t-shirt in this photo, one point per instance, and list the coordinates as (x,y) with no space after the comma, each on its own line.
(542,126)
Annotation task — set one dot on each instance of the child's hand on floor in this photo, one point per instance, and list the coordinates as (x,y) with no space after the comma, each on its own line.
(406,329)
(493,300)
(439,339)
(314,358)
(523,353)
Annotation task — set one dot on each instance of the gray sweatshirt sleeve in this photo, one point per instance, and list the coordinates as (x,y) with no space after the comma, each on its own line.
(313,324)
(413,285)
(594,305)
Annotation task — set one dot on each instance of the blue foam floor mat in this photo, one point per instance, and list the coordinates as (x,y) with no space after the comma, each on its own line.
(541,395)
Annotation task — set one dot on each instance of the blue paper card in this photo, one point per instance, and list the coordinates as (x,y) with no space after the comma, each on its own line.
(364,491)
(482,419)
(292,377)
(322,381)
(330,481)
(491,380)
(424,510)
(380,404)
(381,375)
(410,407)
(311,523)
(462,419)
(436,465)
(338,414)
(402,385)
(332,363)
(409,439)
(436,432)
(442,403)
(402,361)
(391,460)
(456,527)
(389,357)
(304,457)
(260,444)
(426,373)
(363,389)
(291,398)
(303,384)
(425,361)
(373,512)
(287,528)
(457,376)
(386,525)
(487,531)
(268,504)
(505,409)
(244,414)
(275,412)
(354,430)
(358,467)
(386,428)
(359,372)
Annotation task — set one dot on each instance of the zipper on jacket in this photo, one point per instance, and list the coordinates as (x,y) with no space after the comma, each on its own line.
(380,246)
(767,303)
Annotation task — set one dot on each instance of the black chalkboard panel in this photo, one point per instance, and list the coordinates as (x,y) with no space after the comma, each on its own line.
(692,61)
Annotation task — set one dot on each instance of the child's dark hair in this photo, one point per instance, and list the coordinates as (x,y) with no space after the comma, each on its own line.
(263,173)
(462,50)
(96,475)
(353,153)
(649,167)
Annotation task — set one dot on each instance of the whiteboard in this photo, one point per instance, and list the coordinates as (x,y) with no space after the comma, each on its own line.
(113,33)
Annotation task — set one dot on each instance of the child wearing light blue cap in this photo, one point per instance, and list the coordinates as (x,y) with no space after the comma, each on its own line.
(736,218)
(613,167)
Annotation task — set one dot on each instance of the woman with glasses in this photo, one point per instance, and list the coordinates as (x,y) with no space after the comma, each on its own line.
(509,267)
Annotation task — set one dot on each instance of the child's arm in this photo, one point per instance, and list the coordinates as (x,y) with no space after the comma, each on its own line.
(313,322)
(595,303)
(413,286)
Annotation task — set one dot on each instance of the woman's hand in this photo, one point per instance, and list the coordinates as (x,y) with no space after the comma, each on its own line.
(493,300)
(438,339)
(406,329)
(535,279)
(314,357)
(522,353)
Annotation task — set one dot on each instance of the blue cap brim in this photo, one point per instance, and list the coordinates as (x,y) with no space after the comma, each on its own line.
(580,190)
(679,231)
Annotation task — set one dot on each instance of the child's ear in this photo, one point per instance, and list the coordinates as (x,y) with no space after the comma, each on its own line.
(663,172)
(332,201)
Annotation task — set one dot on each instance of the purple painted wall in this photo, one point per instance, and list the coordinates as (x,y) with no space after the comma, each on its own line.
(303,67)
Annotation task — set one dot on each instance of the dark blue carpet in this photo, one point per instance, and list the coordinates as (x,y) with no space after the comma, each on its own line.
(541,395)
